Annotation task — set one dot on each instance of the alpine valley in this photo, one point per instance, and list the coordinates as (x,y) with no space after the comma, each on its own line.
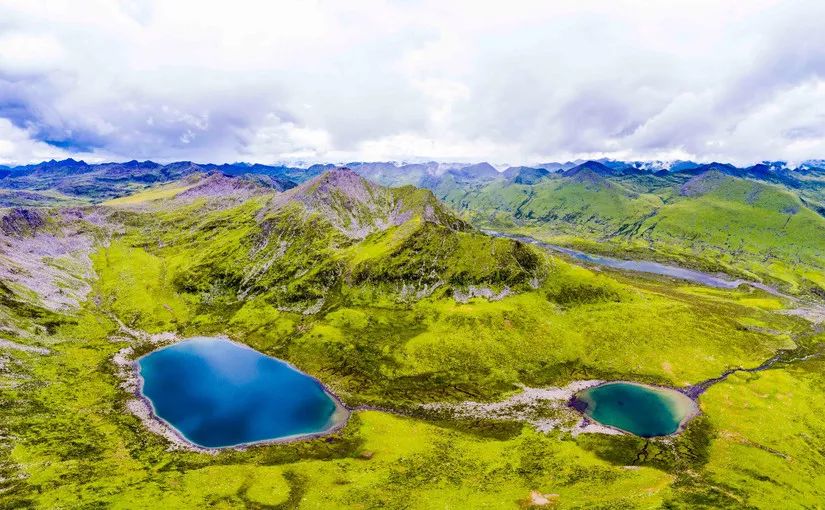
(451,322)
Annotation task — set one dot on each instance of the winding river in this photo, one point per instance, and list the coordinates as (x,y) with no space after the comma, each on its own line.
(644,266)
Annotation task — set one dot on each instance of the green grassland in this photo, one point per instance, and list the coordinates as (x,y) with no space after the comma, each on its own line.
(376,319)
(713,221)
(156,193)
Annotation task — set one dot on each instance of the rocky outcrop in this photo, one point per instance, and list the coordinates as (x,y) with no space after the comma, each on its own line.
(21,222)
(464,296)
(53,264)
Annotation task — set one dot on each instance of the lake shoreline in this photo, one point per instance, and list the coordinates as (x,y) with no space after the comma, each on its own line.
(143,408)
(581,404)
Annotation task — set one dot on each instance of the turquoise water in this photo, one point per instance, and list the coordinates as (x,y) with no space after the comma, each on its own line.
(218,393)
(642,410)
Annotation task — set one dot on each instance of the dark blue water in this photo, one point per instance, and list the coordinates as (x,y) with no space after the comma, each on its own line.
(641,410)
(218,393)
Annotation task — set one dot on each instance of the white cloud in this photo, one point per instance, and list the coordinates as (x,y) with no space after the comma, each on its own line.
(22,53)
(17,146)
(321,80)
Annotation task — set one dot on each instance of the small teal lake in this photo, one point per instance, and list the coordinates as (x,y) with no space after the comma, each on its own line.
(217,393)
(642,410)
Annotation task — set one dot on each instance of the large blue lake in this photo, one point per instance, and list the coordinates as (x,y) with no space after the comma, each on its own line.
(642,410)
(217,393)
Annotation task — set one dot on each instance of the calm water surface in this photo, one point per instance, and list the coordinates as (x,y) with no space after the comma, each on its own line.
(644,266)
(218,393)
(642,410)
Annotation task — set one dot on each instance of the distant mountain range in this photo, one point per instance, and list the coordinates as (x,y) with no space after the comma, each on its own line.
(70,179)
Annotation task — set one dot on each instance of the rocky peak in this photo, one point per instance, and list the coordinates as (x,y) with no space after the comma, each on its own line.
(591,166)
(342,180)
(359,207)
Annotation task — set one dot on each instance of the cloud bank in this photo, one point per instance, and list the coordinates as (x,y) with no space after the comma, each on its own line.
(515,82)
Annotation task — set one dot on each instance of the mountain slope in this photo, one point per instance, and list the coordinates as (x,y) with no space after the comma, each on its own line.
(593,168)
(358,207)
(759,227)
(93,183)
(581,201)
(525,174)
(705,215)
(295,248)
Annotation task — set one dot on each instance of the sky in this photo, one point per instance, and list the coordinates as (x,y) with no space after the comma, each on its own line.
(516,82)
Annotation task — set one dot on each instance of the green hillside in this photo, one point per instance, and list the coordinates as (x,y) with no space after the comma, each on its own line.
(586,204)
(711,221)
(754,226)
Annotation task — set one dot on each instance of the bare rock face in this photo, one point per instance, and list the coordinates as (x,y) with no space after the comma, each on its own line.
(342,188)
(52,263)
(464,296)
(221,186)
(21,222)
(217,185)
(539,499)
